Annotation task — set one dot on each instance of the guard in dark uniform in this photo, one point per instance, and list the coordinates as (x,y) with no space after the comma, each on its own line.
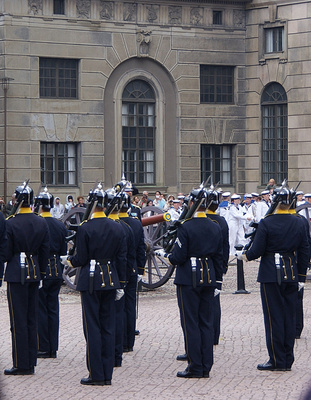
(27,258)
(137,270)
(213,201)
(282,243)
(197,253)
(3,244)
(48,328)
(130,260)
(299,304)
(101,252)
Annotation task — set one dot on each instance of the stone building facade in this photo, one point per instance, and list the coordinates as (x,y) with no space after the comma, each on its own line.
(165,91)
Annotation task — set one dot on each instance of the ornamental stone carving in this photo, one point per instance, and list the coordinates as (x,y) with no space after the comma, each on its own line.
(83,8)
(174,15)
(35,7)
(153,13)
(239,18)
(129,12)
(143,40)
(106,11)
(196,16)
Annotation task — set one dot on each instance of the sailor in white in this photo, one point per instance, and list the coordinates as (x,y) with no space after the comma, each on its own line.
(236,219)
(263,206)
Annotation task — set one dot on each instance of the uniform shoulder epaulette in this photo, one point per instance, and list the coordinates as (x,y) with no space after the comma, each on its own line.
(83,222)
(185,220)
(268,215)
(10,216)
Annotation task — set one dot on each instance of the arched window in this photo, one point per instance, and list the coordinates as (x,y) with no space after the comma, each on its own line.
(138,132)
(274,133)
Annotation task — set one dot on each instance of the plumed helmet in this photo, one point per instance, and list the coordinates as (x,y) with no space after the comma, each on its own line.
(125,202)
(45,199)
(111,194)
(195,193)
(213,197)
(282,195)
(98,195)
(123,185)
(24,193)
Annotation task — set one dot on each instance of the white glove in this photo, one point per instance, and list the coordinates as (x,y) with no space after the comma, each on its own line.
(301,285)
(161,253)
(216,292)
(240,255)
(139,278)
(64,261)
(119,294)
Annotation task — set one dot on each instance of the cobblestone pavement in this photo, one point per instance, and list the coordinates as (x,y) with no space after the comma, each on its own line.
(149,372)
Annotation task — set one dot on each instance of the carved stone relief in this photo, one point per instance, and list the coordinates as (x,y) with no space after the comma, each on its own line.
(196,16)
(129,12)
(239,18)
(174,15)
(153,13)
(83,8)
(143,40)
(106,11)
(35,7)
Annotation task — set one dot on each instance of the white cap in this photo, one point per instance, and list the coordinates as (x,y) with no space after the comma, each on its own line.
(235,196)
(248,195)
(265,192)
(176,201)
(254,194)
(226,194)
(299,192)
(308,195)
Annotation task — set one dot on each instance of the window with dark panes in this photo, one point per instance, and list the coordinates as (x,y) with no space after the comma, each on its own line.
(58,78)
(274,39)
(217,17)
(138,132)
(274,133)
(59,7)
(58,163)
(216,161)
(216,84)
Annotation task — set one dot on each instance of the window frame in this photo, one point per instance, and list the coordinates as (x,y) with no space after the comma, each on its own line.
(140,104)
(263,55)
(50,73)
(274,133)
(211,81)
(215,15)
(61,5)
(55,158)
(217,175)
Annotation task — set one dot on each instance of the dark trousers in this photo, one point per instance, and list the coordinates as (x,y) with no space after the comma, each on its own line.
(98,312)
(196,306)
(119,329)
(279,310)
(23,307)
(48,324)
(217,318)
(130,312)
(299,313)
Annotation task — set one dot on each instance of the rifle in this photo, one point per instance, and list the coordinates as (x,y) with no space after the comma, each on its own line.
(118,189)
(187,213)
(273,205)
(18,202)
(91,204)
(37,207)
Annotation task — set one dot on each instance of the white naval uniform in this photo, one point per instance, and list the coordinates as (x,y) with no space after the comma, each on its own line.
(236,219)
